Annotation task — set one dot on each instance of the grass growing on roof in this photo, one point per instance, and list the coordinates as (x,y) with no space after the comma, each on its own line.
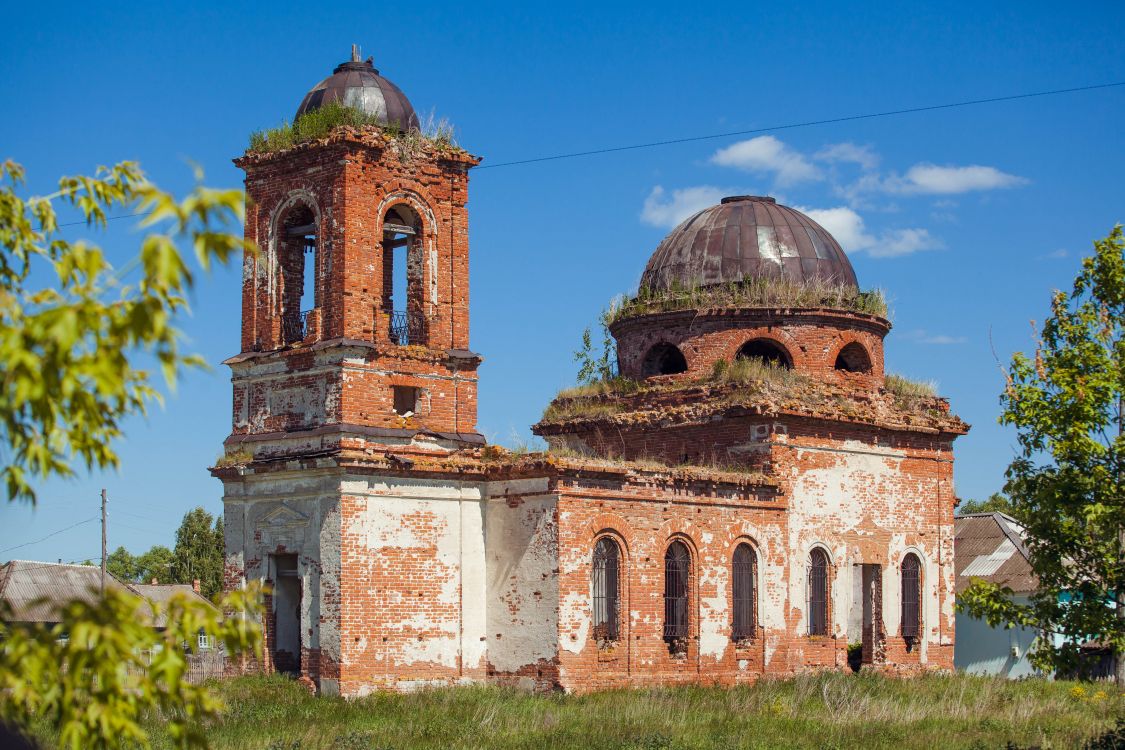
(753,292)
(318,123)
(834,710)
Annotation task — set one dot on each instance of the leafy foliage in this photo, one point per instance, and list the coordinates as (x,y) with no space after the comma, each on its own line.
(199,552)
(1067,485)
(594,367)
(997,502)
(156,565)
(121,564)
(87,677)
(68,349)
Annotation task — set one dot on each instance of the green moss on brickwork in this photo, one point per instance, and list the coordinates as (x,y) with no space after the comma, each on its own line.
(756,292)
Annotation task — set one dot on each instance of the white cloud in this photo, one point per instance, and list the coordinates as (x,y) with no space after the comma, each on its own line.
(663,210)
(923,336)
(934,180)
(768,154)
(1058,254)
(844,224)
(848,228)
(895,242)
(849,153)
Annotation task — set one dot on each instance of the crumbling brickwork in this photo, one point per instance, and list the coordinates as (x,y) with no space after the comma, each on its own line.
(403,552)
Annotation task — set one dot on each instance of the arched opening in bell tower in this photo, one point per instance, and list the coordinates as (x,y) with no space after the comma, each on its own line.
(403,271)
(298,258)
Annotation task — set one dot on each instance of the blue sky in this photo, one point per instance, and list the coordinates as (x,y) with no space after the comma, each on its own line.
(968,218)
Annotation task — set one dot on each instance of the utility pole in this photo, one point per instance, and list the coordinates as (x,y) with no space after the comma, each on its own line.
(103,542)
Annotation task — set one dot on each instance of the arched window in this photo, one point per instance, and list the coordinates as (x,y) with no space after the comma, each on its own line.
(677,569)
(297,258)
(766,351)
(911,599)
(607,557)
(818,592)
(403,271)
(853,358)
(663,359)
(744,577)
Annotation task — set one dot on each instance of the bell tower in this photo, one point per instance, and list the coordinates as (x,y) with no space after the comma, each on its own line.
(354,364)
(355,312)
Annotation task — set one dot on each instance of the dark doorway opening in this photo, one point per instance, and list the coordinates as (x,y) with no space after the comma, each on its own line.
(286,615)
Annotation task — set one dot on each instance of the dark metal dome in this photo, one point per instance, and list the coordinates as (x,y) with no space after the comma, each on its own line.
(744,237)
(357,84)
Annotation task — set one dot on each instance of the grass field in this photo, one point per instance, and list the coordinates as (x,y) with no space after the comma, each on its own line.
(815,711)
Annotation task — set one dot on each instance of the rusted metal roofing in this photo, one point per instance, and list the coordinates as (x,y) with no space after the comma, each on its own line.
(358,84)
(36,590)
(990,546)
(747,236)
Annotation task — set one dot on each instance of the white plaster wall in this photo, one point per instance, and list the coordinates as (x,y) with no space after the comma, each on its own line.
(985,650)
(838,506)
(522,572)
(440,523)
(297,512)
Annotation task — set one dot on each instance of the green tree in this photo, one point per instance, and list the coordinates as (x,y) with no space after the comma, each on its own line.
(121,564)
(94,686)
(997,502)
(72,350)
(199,552)
(1067,485)
(156,564)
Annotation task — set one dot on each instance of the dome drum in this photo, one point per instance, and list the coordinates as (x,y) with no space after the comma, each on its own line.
(809,342)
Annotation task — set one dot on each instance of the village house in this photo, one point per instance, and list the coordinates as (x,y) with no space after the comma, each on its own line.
(34,592)
(749,498)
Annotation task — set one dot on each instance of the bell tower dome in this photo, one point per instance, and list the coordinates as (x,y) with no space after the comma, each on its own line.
(355,310)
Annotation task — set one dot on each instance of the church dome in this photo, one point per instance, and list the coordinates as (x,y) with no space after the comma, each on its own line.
(358,84)
(745,237)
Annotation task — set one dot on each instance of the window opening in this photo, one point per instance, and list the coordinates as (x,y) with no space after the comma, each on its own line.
(744,585)
(605,583)
(677,567)
(765,351)
(406,400)
(911,599)
(818,593)
(299,269)
(853,358)
(663,359)
(402,275)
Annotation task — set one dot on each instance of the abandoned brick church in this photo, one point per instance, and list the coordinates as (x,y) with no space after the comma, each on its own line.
(750,496)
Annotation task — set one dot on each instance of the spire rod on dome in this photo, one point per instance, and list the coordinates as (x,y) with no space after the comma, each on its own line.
(355,53)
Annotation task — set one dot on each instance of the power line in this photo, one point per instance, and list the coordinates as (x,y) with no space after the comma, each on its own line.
(753,131)
(807,123)
(54,533)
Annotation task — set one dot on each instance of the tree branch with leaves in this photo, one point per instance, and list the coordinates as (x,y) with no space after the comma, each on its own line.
(1067,404)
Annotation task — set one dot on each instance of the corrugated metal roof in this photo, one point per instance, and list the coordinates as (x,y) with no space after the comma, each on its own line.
(990,546)
(36,590)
